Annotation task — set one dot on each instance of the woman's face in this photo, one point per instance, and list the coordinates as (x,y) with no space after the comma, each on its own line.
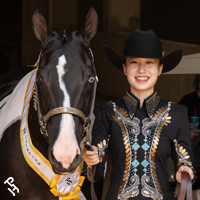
(142,73)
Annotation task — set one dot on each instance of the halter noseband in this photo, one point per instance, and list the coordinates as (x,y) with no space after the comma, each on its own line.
(66,110)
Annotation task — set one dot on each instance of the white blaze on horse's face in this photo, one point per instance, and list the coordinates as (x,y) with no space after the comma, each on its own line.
(66,147)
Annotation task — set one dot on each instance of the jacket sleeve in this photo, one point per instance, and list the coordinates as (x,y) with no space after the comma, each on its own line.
(181,146)
(100,138)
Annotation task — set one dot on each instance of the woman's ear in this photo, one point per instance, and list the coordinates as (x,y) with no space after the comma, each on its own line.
(124,69)
(160,69)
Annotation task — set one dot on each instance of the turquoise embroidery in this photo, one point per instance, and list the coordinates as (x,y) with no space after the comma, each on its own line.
(135,170)
(135,163)
(136,146)
(145,163)
(145,147)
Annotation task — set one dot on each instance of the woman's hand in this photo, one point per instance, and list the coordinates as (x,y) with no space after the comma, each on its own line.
(184,169)
(91,157)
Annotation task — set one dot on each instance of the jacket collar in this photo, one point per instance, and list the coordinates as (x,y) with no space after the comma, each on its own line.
(150,103)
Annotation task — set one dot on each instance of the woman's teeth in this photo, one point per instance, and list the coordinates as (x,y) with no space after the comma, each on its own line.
(142,78)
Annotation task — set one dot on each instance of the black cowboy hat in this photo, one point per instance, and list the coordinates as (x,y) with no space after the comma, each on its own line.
(144,44)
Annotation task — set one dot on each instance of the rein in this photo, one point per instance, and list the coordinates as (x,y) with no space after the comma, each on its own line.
(86,121)
(186,187)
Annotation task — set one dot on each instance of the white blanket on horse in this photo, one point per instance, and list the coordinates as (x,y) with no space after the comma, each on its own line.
(12,110)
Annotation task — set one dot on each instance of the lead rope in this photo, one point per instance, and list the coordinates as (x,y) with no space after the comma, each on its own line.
(186,187)
(92,169)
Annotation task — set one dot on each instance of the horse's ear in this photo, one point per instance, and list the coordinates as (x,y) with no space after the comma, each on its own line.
(91,24)
(39,26)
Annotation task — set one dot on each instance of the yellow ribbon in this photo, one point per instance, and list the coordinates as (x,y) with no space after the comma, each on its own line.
(71,195)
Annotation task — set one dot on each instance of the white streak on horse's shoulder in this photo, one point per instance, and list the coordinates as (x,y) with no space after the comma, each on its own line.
(8,125)
(12,110)
(4,101)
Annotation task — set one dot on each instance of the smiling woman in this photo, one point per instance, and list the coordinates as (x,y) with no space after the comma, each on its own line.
(142,74)
(141,131)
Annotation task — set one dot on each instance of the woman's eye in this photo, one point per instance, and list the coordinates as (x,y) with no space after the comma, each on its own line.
(133,62)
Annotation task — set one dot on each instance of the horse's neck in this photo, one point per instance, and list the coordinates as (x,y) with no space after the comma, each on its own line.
(37,138)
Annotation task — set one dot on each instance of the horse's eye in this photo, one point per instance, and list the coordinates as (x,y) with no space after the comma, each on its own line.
(91,79)
(39,80)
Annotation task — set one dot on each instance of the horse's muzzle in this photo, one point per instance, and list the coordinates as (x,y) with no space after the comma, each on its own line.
(58,166)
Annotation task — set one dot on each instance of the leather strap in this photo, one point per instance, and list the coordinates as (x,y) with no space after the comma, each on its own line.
(186,185)
(93,193)
(67,110)
(189,187)
(183,186)
(90,173)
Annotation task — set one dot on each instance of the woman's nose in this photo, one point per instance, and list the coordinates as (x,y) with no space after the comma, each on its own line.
(141,68)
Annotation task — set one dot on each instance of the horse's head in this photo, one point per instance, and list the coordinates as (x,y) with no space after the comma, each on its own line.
(65,79)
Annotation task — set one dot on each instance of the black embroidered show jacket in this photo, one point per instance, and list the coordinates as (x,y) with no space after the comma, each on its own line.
(141,139)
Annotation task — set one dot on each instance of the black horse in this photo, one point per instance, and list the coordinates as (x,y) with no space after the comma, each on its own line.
(64,79)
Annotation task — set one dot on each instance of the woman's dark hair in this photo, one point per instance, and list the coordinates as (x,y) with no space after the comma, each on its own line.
(123,61)
(196,82)
(160,62)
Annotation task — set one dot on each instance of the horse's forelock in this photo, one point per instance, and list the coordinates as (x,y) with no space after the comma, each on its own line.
(57,37)
(55,44)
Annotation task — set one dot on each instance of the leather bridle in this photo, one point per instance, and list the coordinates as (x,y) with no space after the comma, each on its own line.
(86,121)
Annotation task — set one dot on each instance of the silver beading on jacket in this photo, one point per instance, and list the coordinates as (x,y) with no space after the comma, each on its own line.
(183,155)
(132,190)
(160,118)
(101,149)
(130,183)
(149,191)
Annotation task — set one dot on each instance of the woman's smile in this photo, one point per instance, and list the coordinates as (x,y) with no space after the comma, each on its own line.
(142,79)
